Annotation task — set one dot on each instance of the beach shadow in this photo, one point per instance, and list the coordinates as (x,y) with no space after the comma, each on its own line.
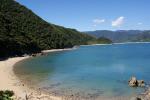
(3,58)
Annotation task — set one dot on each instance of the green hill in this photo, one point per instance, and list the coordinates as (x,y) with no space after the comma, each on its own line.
(123,35)
(100,40)
(23,32)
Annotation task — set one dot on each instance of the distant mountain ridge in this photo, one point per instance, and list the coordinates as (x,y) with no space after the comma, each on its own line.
(123,35)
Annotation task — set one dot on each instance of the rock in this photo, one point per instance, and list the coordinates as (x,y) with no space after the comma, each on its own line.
(143,96)
(25,55)
(36,54)
(33,55)
(141,83)
(135,98)
(133,82)
(148,94)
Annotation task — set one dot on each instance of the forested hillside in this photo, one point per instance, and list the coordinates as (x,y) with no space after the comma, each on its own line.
(123,35)
(100,40)
(23,32)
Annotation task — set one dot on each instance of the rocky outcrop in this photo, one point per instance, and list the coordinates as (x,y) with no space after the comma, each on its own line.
(147,94)
(38,54)
(133,82)
(143,96)
(135,98)
(141,83)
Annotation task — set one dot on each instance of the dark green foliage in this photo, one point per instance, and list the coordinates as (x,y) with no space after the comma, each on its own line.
(23,32)
(101,40)
(6,95)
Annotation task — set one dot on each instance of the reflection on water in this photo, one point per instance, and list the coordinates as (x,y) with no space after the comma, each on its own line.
(90,70)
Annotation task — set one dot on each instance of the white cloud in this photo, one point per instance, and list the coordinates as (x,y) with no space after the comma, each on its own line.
(118,22)
(98,21)
(94,25)
(139,23)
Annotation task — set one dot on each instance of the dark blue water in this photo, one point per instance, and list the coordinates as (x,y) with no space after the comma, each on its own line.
(103,69)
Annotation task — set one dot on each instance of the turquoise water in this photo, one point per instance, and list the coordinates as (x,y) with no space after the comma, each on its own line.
(100,70)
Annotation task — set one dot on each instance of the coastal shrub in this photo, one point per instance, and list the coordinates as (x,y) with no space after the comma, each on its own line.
(6,95)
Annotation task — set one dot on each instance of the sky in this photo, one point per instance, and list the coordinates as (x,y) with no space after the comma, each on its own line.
(89,15)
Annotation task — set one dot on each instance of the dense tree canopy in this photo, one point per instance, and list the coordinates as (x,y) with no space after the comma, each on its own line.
(101,40)
(23,32)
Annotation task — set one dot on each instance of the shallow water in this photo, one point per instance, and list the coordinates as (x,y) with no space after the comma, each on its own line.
(89,70)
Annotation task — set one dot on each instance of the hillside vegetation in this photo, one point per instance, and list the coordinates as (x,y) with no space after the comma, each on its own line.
(100,40)
(23,32)
(123,35)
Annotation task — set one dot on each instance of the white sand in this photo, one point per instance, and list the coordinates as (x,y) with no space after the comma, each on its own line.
(54,50)
(8,81)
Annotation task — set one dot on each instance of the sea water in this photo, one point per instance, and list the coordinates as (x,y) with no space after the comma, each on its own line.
(102,70)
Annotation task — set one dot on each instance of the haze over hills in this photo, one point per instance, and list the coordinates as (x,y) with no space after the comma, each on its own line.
(123,35)
(23,32)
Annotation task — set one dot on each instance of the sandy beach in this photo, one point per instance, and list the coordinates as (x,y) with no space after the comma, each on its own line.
(54,50)
(9,81)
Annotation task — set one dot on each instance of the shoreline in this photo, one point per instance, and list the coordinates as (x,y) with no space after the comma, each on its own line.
(57,50)
(118,43)
(9,81)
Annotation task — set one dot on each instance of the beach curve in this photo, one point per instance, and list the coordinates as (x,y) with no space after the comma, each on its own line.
(9,81)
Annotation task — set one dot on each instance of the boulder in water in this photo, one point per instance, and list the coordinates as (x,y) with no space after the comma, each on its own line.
(141,83)
(133,82)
